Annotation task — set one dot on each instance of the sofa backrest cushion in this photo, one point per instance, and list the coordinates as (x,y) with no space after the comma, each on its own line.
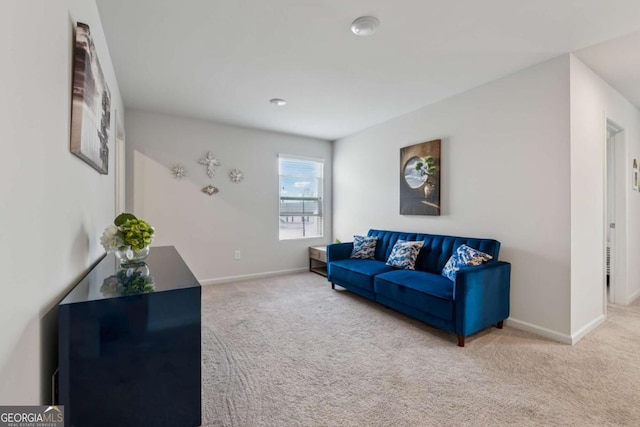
(437,249)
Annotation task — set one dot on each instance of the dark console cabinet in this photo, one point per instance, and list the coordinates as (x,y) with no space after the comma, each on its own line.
(127,358)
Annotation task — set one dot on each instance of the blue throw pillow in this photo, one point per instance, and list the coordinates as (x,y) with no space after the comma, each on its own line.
(463,256)
(404,254)
(364,247)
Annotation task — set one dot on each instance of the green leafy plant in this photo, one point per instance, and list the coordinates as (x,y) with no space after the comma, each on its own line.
(426,167)
(135,232)
(127,231)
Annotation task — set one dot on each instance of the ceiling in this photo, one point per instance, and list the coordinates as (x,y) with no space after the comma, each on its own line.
(222,60)
(618,62)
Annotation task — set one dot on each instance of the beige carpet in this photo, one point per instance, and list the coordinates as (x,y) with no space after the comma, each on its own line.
(289,351)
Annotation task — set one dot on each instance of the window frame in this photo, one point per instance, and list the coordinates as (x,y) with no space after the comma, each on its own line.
(319,199)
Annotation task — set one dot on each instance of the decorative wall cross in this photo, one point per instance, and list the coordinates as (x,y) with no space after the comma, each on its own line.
(210,162)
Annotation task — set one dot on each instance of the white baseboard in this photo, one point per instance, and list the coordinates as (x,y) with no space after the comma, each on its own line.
(539,330)
(587,328)
(555,335)
(244,277)
(633,297)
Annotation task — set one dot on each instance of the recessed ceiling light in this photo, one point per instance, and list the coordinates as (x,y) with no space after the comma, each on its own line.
(364,26)
(278,102)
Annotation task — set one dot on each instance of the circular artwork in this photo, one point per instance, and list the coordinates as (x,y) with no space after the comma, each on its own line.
(413,175)
(235,176)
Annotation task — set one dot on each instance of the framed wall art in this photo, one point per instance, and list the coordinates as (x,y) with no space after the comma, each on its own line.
(91,104)
(420,179)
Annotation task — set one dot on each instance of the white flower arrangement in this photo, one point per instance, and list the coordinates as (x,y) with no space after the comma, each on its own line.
(110,240)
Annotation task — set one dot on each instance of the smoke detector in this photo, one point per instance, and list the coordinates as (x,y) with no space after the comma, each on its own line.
(364,26)
(278,102)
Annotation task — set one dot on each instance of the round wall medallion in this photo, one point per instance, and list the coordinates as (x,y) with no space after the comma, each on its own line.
(236,175)
(178,171)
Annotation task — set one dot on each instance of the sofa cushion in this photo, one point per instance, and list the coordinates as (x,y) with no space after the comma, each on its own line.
(357,272)
(364,247)
(437,249)
(462,257)
(404,254)
(424,291)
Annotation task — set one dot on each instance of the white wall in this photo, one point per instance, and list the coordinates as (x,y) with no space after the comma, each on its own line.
(54,206)
(592,101)
(505,175)
(207,230)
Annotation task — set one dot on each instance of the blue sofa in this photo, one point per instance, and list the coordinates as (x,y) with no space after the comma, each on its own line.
(476,299)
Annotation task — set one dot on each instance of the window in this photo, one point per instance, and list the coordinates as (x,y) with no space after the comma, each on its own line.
(301,207)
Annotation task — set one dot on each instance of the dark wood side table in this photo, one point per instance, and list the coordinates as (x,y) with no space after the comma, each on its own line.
(318,260)
(132,359)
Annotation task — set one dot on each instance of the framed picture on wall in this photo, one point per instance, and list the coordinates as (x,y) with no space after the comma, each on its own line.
(420,179)
(91,104)
(634,175)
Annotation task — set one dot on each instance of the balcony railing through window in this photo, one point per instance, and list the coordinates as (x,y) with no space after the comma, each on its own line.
(301,215)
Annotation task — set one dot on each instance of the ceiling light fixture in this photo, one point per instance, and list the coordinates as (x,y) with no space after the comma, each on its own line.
(278,102)
(364,26)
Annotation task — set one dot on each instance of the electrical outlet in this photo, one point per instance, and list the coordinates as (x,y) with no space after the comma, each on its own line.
(236,255)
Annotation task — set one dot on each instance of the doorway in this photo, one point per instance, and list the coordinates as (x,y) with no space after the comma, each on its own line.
(615,220)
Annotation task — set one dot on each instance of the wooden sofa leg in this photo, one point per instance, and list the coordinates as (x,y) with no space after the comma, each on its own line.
(460,341)
(500,324)
(333,286)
